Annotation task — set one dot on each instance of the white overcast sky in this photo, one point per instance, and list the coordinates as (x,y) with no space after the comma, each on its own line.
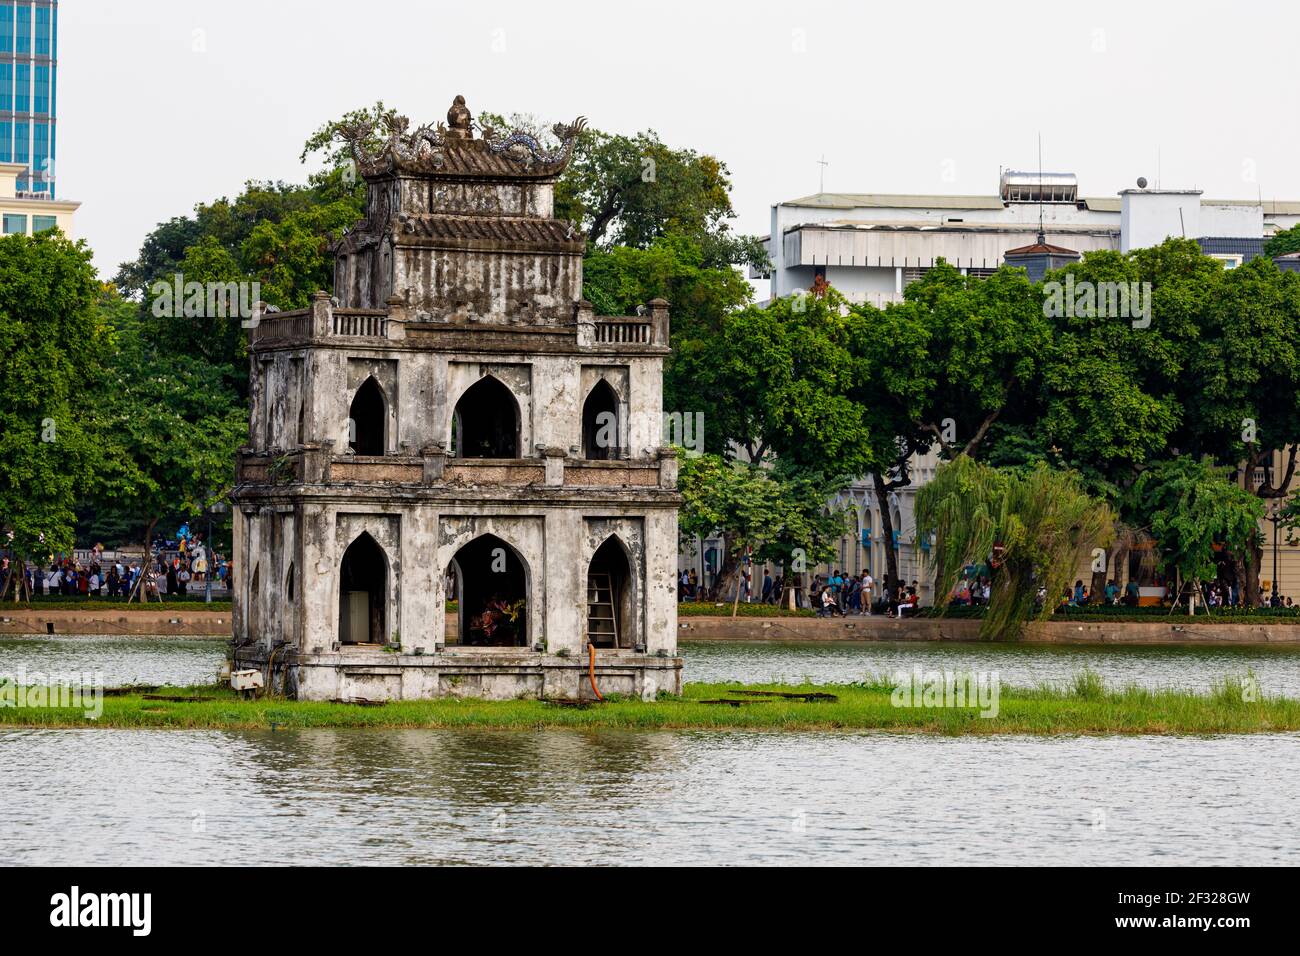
(155,116)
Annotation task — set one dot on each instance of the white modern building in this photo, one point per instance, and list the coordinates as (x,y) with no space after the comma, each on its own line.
(869,246)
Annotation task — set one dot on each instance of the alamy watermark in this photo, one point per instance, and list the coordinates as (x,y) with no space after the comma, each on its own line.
(686,430)
(84,692)
(207,300)
(1106,300)
(948,689)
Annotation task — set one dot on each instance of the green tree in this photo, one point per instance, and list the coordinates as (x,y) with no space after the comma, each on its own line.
(1284,242)
(276,235)
(633,190)
(1241,383)
(958,355)
(51,344)
(768,513)
(1032,526)
(170,423)
(792,362)
(1192,507)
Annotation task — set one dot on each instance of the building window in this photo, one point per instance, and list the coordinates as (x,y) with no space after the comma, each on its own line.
(22,88)
(601,434)
(23,32)
(366,420)
(486,422)
(15,224)
(41,149)
(21,153)
(44,223)
(42,31)
(611,612)
(492,593)
(6,141)
(42,91)
(6,87)
(363,593)
(6,29)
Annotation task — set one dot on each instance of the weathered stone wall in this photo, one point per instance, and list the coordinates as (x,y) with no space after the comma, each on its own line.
(489,287)
(304,396)
(492,673)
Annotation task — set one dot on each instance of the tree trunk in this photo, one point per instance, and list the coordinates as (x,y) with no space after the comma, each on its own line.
(887,530)
(1250,586)
(1238,573)
(726,571)
(1097,587)
(23,589)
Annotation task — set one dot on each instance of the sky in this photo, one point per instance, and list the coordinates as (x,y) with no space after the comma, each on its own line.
(167,103)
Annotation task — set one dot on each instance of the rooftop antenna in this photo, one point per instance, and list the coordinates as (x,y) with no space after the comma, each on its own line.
(1157,167)
(821,185)
(1042,235)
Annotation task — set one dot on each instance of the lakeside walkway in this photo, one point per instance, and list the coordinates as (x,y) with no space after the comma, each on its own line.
(191,620)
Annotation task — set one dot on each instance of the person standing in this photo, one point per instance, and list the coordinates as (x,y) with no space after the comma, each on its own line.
(868,590)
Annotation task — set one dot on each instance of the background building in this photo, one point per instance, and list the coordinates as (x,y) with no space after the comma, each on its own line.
(29,31)
(869,246)
(29,213)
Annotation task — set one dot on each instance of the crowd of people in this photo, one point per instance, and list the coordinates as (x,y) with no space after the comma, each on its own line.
(837,593)
(834,593)
(174,567)
(1212,594)
(842,594)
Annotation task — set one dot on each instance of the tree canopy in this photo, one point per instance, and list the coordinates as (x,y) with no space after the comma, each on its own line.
(52,340)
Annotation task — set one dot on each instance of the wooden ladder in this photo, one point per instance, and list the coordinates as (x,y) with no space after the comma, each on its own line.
(602,623)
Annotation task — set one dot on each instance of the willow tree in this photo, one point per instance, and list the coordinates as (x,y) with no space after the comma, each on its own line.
(1032,526)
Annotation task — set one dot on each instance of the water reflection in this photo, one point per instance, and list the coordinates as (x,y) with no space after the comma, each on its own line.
(359,796)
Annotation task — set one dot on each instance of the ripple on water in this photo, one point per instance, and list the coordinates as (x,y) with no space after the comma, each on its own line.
(331,796)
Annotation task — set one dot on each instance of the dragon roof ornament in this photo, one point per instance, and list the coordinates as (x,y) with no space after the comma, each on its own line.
(426,149)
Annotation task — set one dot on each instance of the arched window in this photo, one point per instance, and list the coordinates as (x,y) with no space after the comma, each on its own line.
(492,592)
(363,593)
(486,423)
(601,429)
(611,603)
(367,419)
(289,584)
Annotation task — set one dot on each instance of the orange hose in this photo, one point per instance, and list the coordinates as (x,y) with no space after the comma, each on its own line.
(591,670)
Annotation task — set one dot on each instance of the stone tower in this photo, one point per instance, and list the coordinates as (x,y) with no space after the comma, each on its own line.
(456,425)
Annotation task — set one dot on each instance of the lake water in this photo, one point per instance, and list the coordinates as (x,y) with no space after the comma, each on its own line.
(418,797)
(568,797)
(125,660)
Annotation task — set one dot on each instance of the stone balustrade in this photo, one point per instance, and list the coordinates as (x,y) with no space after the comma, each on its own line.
(325,322)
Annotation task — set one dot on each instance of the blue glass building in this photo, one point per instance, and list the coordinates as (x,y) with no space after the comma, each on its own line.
(29,34)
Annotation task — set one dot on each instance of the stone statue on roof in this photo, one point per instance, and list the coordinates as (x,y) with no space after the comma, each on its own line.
(459,120)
